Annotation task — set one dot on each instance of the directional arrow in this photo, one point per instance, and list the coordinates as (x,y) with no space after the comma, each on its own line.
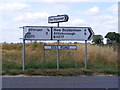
(66,17)
(91,33)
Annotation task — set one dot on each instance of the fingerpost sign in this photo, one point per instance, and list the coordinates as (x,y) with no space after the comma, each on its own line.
(57,33)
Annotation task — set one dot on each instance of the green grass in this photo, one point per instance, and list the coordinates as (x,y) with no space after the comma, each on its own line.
(50,72)
(106,68)
(10,65)
(42,65)
(49,69)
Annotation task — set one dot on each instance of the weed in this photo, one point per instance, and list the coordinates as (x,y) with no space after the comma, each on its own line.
(99,57)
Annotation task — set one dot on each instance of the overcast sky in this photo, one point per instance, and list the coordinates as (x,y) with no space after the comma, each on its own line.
(102,17)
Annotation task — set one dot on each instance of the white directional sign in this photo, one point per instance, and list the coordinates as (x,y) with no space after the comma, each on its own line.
(57,33)
(36,32)
(59,18)
(72,33)
(60,47)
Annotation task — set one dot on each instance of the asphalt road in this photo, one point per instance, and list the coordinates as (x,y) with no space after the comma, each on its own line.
(61,82)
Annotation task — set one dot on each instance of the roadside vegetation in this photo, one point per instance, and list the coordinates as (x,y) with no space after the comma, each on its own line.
(102,59)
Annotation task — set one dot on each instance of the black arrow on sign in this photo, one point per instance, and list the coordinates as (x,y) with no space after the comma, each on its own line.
(90,33)
(66,17)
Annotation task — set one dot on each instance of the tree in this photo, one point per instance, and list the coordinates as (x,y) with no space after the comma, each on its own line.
(97,39)
(117,37)
(112,37)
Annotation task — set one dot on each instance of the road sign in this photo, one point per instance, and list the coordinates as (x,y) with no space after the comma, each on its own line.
(60,47)
(36,32)
(59,18)
(72,33)
(57,33)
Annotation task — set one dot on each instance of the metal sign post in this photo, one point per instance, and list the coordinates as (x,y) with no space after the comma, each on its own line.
(23,62)
(75,61)
(44,55)
(58,52)
(58,55)
(86,54)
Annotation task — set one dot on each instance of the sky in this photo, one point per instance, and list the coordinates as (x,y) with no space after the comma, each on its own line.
(102,17)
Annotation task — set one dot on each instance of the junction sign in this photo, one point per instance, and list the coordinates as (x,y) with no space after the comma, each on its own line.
(57,33)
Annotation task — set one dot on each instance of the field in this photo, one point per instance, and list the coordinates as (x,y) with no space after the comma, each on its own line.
(101,59)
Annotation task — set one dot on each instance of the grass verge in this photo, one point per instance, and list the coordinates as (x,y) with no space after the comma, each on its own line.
(49,69)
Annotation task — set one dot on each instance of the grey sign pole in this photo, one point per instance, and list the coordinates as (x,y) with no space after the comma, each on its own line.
(58,52)
(58,55)
(44,54)
(23,62)
(75,61)
(86,54)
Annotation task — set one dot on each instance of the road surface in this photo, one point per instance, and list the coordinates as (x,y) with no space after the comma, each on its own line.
(60,82)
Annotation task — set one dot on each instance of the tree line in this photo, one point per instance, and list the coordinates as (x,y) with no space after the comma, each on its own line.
(112,38)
